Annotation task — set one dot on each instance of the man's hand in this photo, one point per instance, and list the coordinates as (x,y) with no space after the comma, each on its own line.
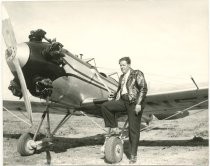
(111,96)
(137,109)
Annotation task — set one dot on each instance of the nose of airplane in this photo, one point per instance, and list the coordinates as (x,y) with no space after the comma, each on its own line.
(22,53)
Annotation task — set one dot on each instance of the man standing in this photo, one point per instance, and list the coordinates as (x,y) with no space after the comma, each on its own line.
(132,89)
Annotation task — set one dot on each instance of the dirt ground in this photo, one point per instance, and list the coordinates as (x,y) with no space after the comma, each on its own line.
(170,142)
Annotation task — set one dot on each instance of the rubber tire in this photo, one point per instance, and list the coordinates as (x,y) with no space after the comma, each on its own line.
(22,145)
(110,150)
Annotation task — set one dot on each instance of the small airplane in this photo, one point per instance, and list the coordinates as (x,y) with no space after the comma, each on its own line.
(70,84)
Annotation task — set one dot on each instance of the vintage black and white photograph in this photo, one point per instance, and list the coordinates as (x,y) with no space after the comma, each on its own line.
(100,82)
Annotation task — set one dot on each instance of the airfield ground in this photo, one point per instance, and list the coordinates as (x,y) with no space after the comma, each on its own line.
(171,142)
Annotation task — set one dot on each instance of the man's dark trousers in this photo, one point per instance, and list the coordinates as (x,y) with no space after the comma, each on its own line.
(110,108)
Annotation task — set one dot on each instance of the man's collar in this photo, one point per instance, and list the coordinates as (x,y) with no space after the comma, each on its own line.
(128,72)
(131,70)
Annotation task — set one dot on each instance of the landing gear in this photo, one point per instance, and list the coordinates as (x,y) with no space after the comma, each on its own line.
(113,150)
(25,145)
(113,146)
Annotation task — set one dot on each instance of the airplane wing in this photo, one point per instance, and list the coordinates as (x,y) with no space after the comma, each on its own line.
(37,107)
(165,104)
(161,105)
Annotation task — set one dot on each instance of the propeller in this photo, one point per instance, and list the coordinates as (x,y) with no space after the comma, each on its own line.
(11,44)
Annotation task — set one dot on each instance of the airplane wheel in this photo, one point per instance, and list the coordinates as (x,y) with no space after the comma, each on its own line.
(24,144)
(113,150)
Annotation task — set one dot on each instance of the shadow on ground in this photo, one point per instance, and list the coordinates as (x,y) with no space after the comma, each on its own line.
(62,144)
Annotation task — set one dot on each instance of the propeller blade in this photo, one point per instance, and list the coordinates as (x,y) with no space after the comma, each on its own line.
(23,88)
(10,41)
(7,30)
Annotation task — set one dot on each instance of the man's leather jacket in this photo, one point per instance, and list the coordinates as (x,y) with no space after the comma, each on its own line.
(136,86)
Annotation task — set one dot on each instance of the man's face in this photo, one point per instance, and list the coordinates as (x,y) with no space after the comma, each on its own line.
(124,66)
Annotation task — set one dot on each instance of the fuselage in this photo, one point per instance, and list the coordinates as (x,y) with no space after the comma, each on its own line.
(73,82)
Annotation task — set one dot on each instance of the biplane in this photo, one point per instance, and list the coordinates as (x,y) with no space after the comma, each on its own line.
(44,68)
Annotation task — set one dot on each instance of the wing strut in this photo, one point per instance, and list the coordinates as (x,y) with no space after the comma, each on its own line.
(99,77)
(17,116)
(148,128)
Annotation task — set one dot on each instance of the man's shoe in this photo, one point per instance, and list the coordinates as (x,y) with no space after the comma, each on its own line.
(115,131)
(112,132)
(133,159)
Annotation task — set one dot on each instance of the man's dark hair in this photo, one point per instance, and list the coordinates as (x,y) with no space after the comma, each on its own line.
(127,59)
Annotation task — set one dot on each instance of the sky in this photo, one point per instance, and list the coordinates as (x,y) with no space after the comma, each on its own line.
(166,39)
